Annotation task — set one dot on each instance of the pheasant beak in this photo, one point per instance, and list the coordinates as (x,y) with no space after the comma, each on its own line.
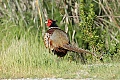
(46,22)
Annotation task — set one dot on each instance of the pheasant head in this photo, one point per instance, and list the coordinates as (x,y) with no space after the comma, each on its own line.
(51,23)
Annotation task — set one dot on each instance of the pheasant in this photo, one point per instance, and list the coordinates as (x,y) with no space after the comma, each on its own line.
(57,40)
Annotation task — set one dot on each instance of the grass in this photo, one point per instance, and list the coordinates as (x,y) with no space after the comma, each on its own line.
(26,57)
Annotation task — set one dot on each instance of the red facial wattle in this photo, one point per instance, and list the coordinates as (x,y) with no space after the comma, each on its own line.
(49,22)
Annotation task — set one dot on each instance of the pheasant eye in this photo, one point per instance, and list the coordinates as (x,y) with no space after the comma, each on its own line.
(49,21)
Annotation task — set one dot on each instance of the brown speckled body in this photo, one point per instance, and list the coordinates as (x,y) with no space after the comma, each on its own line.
(54,39)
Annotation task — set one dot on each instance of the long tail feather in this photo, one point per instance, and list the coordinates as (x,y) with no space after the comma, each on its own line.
(76,49)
